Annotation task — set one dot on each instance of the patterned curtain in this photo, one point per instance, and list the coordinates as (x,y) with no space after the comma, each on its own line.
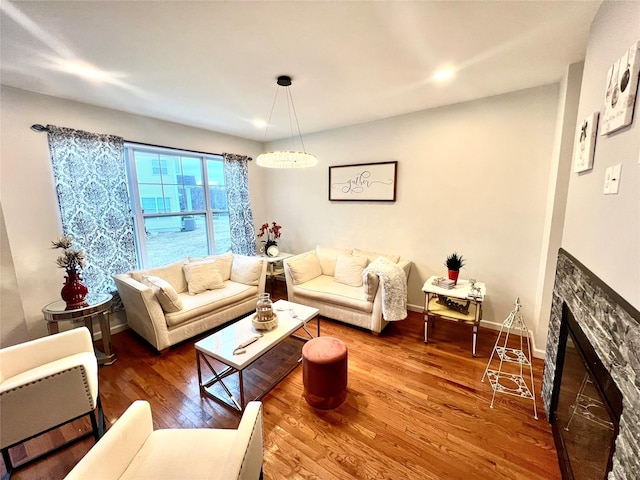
(243,233)
(91,183)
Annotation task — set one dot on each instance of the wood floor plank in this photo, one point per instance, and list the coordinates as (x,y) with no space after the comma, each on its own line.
(413,411)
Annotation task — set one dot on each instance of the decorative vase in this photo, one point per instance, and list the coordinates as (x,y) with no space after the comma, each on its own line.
(453,275)
(74,291)
(268,244)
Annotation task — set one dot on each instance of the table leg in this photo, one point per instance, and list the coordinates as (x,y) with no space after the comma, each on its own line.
(105,330)
(241,382)
(53,328)
(475,338)
(426,328)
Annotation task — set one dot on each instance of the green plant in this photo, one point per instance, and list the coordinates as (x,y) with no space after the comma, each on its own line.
(454,262)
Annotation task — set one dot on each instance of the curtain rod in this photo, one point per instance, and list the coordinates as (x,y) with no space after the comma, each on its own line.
(41,128)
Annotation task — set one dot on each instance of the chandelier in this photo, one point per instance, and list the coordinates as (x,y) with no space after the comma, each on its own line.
(291,158)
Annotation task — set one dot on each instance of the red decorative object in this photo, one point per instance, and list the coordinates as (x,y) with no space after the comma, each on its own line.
(74,291)
(453,275)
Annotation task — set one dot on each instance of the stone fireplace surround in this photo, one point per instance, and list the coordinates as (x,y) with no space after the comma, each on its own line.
(612,326)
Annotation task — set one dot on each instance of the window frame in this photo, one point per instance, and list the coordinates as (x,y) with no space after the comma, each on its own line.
(138,215)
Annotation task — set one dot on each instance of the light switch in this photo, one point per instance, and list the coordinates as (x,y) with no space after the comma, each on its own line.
(607,181)
(616,170)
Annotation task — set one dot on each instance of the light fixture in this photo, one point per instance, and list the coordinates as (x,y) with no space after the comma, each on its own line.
(291,158)
(444,74)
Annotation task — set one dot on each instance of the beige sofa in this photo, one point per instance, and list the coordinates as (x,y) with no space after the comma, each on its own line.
(172,303)
(133,449)
(332,280)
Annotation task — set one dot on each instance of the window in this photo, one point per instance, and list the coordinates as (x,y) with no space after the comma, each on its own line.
(176,213)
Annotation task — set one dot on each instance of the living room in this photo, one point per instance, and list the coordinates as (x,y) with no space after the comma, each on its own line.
(489,177)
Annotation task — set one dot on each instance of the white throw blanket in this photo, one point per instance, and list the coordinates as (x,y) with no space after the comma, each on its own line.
(393,283)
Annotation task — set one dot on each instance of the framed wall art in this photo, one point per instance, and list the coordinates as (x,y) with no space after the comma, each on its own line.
(585,144)
(620,94)
(371,182)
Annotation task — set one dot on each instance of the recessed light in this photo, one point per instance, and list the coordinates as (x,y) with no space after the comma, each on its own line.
(444,74)
(259,124)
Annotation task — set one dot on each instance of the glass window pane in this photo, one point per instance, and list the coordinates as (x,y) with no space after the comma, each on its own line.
(172,238)
(222,231)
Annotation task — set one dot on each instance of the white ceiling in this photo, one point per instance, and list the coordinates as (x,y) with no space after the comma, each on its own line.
(213,64)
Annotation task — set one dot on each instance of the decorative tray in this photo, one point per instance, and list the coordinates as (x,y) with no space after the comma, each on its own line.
(269,325)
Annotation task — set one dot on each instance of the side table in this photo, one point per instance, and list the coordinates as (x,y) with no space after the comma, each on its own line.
(97,304)
(436,305)
(273,269)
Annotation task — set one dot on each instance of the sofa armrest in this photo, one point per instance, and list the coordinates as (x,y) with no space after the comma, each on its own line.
(406,266)
(246,455)
(110,457)
(144,312)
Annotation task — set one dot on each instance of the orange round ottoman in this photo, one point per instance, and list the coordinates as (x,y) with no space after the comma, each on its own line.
(324,372)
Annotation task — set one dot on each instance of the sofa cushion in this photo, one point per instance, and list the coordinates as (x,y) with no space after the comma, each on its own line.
(246,270)
(304,267)
(223,262)
(371,256)
(165,293)
(178,457)
(202,276)
(210,302)
(325,289)
(328,257)
(171,272)
(349,270)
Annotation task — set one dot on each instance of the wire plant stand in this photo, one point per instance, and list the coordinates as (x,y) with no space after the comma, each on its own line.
(512,383)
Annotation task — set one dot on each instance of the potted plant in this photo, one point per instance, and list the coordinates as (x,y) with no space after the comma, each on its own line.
(273,233)
(454,263)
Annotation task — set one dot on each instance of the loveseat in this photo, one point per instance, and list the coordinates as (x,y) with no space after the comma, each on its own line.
(174,302)
(332,280)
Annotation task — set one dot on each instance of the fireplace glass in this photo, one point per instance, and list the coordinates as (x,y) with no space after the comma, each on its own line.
(583,421)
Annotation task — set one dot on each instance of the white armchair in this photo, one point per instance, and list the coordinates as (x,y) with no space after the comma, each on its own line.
(45,383)
(132,449)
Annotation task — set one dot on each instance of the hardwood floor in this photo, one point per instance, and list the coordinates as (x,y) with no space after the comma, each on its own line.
(413,411)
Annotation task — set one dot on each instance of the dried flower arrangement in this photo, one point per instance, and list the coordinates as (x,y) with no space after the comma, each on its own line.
(72,259)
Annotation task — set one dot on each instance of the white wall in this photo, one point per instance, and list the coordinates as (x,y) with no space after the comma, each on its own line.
(29,203)
(603,232)
(472,177)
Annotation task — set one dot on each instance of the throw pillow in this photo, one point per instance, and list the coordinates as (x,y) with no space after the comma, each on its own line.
(202,276)
(246,270)
(349,270)
(171,273)
(328,257)
(165,293)
(304,267)
(223,262)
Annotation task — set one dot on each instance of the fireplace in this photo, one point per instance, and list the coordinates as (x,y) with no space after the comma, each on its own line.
(591,382)
(585,406)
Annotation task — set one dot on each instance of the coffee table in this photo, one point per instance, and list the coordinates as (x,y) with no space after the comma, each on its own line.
(220,346)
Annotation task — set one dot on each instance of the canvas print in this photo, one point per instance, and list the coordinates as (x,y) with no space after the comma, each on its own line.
(584,146)
(363,182)
(620,95)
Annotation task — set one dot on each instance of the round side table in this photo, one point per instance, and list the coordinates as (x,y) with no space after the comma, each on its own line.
(97,305)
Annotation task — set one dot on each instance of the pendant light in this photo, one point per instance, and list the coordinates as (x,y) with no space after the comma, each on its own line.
(291,158)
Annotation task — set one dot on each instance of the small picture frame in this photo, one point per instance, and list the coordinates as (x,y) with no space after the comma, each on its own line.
(620,93)
(372,182)
(585,143)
